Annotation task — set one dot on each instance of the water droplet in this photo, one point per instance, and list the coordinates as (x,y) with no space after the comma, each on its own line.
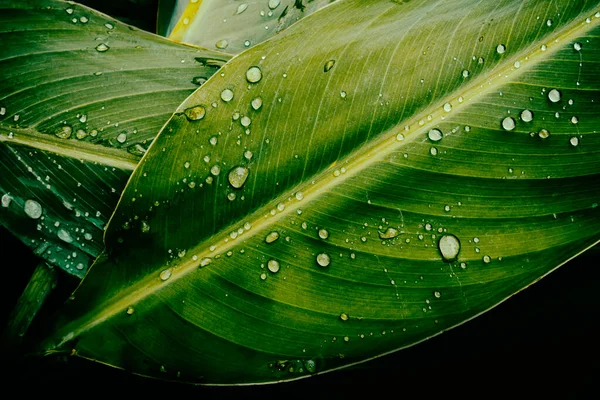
(215,170)
(554,96)
(299,196)
(271,237)
(241,8)
(389,233)
(400,137)
(145,227)
(323,259)
(227,95)
(80,134)
(574,141)
(195,113)
(122,138)
(574,119)
(435,135)
(102,48)
(69,11)
(166,274)
(508,124)
(543,133)
(323,233)
(447,107)
(543,47)
(273,266)
(253,75)
(343,94)
(248,155)
(433,151)
(64,235)
(437,294)
(486,259)
(273,4)
(247,44)
(205,261)
(501,49)
(130,310)
(237,177)
(109,26)
(2,111)
(481,60)
(577,46)
(526,116)
(245,121)
(328,65)
(257,103)
(64,132)
(6,199)
(222,44)
(549,22)
(33,209)
(231,196)
(465,73)
(344,317)
(449,246)
(83,20)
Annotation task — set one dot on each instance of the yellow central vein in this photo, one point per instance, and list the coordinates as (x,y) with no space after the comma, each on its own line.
(324,182)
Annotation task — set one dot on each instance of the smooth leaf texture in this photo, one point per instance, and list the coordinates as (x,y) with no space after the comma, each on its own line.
(82,97)
(234,26)
(372,149)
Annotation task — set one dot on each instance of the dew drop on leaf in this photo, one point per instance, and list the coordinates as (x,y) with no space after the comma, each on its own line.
(272,237)
(64,132)
(465,73)
(130,310)
(273,266)
(102,48)
(437,294)
(6,199)
(543,133)
(257,103)
(254,74)
(328,65)
(577,46)
(508,124)
(526,116)
(215,170)
(64,235)
(323,233)
(435,135)
(248,155)
(447,107)
(487,259)
(273,4)
(33,209)
(554,96)
(574,141)
(574,119)
(245,121)
(449,247)
(222,44)
(323,259)
(237,177)
(166,274)
(501,49)
(389,233)
(344,317)
(227,95)
(195,113)
(122,138)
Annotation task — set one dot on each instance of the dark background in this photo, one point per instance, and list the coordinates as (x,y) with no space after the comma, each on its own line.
(542,341)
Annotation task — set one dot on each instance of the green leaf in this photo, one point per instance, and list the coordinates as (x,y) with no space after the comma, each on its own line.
(82,97)
(388,196)
(233,26)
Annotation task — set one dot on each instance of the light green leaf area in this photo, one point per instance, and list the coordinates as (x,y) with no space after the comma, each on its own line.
(81,98)
(410,166)
(234,26)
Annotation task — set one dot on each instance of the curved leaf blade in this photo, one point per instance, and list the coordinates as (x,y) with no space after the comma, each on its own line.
(109,101)
(196,292)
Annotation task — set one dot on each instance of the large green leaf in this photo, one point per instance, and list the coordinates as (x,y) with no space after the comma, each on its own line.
(234,26)
(81,98)
(385,141)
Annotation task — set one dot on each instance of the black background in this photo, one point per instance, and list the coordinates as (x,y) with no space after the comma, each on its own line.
(542,341)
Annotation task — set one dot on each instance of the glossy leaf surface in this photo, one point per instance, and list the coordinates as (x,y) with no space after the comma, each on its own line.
(416,168)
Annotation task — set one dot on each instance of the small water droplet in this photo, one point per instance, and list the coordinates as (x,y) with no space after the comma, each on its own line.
(549,22)
(222,44)
(248,155)
(389,233)
(272,237)
(344,317)
(435,135)
(577,46)
(69,11)
(543,133)
(166,274)
(465,73)
(241,8)
(33,209)
(299,196)
(254,74)
(323,233)
(145,227)
(122,138)
(437,294)
(231,196)
(400,137)
(328,65)
(83,20)
(109,26)
(433,151)
(574,141)
(247,44)
(273,266)
(130,310)
(195,113)
(447,107)
(526,116)
(245,121)
(449,247)
(102,48)
(343,94)
(215,170)
(237,177)
(323,259)
(508,124)
(554,96)
(227,95)
(500,49)
(64,235)
(574,119)
(64,132)
(487,259)
(543,47)
(6,199)
(273,4)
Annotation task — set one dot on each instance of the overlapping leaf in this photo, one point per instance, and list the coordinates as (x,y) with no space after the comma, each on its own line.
(81,98)
(375,175)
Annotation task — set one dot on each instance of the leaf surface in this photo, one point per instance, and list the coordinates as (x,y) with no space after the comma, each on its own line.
(388,198)
(82,97)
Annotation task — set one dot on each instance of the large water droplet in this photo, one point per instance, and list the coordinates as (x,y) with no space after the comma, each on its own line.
(323,233)
(447,107)
(487,259)
(508,124)
(33,209)
(245,121)
(526,116)
(222,44)
(102,48)
(227,95)
(257,103)
(328,65)
(6,199)
(574,141)
(554,96)
(195,113)
(389,233)
(254,74)
(435,135)
(271,237)
(64,132)
(273,4)
(543,133)
(449,246)
(64,235)
(166,274)
(241,8)
(273,266)
(323,259)
(122,138)
(501,49)
(237,177)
